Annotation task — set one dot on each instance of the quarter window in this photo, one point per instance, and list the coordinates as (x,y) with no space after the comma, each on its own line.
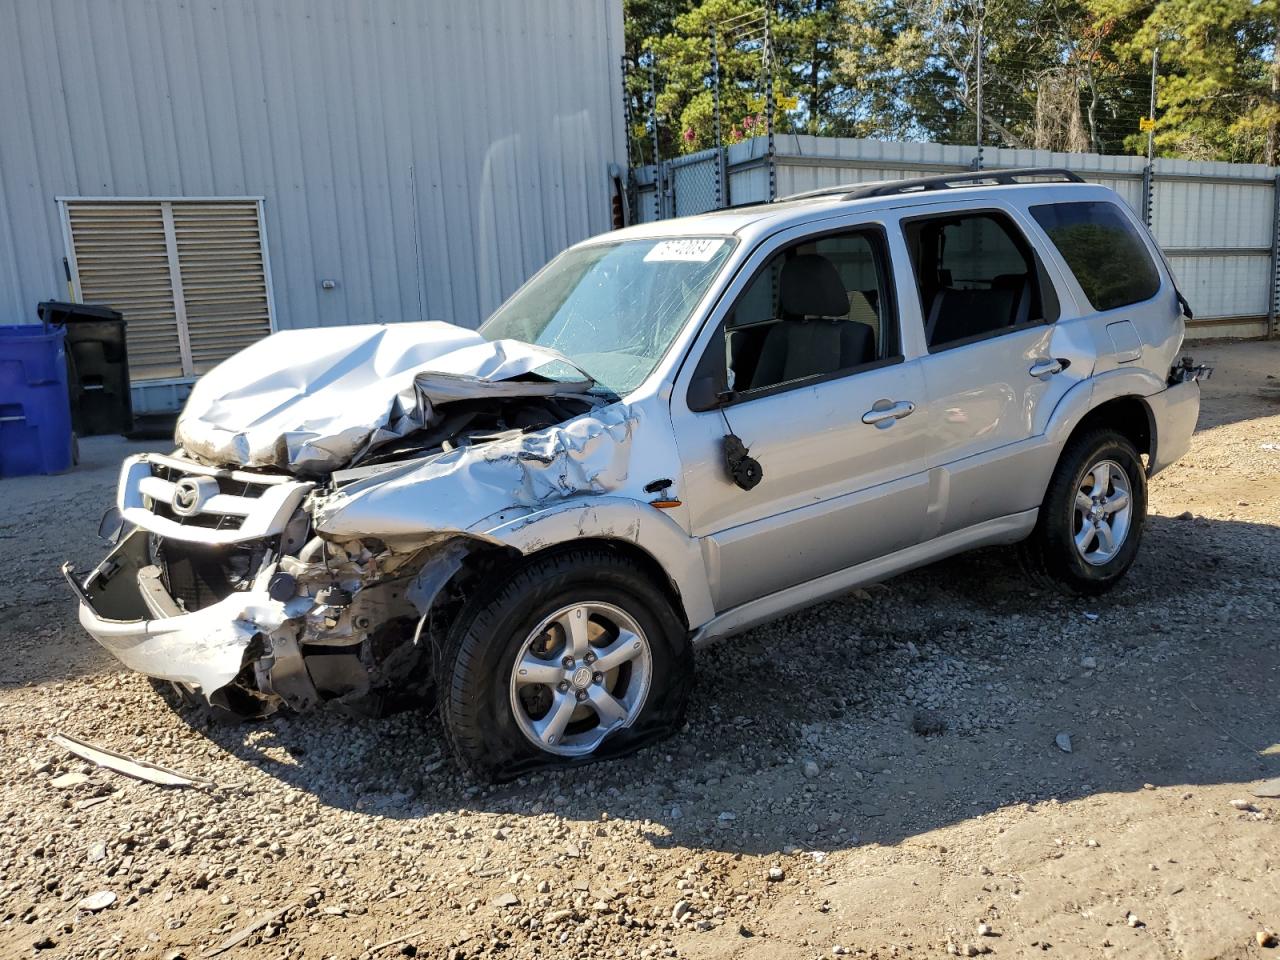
(976,275)
(817,308)
(1103,250)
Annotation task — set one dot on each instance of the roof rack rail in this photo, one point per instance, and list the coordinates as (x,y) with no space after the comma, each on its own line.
(946,181)
(839,188)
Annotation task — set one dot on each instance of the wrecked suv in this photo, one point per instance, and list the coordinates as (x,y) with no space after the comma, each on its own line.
(671,433)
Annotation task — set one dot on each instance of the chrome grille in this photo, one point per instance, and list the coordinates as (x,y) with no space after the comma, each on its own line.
(178,498)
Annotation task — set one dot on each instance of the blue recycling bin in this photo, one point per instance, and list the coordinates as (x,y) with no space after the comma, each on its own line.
(35,410)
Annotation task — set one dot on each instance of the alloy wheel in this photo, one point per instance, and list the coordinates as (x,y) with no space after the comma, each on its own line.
(581,674)
(1103,512)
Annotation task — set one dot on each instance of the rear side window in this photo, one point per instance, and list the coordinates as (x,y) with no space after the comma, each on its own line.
(976,275)
(1103,250)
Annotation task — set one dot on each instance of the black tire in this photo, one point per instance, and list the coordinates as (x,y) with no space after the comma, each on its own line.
(473,672)
(1050,555)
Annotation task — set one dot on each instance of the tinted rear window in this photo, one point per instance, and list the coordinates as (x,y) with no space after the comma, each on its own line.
(1103,250)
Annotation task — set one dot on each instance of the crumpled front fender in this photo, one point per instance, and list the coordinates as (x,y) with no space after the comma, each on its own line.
(612,518)
(529,492)
(446,493)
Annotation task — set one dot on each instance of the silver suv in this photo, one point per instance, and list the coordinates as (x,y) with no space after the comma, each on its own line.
(670,434)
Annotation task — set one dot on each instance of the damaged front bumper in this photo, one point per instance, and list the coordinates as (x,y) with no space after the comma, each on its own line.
(256,587)
(216,588)
(205,650)
(248,636)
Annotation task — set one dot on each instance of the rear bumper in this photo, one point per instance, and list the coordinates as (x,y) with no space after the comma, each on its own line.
(1174,412)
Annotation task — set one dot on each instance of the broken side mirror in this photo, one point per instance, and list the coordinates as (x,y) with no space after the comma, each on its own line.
(706,393)
(111,525)
(709,387)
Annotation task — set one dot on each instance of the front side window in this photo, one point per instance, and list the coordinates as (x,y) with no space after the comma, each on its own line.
(976,275)
(1103,250)
(816,308)
(612,308)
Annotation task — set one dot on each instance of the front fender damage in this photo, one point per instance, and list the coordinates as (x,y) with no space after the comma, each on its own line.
(348,618)
(449,493)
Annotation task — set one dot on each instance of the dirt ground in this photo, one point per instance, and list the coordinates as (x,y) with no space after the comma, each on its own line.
(800,813)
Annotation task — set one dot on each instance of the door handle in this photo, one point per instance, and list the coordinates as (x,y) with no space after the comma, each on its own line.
(1047,367)
(884,412)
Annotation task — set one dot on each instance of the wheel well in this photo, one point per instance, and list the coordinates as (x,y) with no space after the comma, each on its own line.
(1129,415)
(486,561)
(637,555)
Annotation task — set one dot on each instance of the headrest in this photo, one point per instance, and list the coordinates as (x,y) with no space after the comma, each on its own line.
(810,286)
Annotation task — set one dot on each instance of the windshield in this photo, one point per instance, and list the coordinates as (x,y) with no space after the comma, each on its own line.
(612,308)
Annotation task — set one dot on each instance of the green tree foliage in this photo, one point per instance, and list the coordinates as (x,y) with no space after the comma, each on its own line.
(807,39)
(1050,81)
(1058,74)
(1217,95)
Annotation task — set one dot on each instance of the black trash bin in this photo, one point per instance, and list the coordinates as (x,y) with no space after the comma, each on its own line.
(97,366)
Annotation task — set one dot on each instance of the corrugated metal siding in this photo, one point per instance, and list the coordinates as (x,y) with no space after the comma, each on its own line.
(427,157)
(1214,220)
(1225,286)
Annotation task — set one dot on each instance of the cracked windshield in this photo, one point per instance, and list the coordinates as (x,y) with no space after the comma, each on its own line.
(612,308)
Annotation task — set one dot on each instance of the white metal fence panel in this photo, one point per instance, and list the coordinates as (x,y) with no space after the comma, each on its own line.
(1225,290)
(648,206)
(1216,221)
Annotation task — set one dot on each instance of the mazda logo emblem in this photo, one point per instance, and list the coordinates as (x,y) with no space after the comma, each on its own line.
(188,496)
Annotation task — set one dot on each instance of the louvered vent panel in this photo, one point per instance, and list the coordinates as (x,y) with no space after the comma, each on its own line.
(122,261)
(224,282)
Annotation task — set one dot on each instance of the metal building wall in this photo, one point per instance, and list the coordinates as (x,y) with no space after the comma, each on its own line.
(426,155)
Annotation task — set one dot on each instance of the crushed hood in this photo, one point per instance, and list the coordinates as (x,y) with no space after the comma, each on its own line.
(312,401)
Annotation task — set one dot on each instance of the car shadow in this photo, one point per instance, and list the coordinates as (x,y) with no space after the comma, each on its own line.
(929,700)
(1243,386)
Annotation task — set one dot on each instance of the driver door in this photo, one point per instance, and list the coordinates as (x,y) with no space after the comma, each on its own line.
(827,403)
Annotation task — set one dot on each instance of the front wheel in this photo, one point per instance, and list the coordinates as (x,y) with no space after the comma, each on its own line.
(573,656)
(1090,523)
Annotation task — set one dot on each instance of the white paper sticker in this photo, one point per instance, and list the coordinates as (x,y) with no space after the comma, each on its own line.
(687,249)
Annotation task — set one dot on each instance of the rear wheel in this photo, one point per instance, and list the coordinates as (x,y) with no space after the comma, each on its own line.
(572,656)
(1090,524)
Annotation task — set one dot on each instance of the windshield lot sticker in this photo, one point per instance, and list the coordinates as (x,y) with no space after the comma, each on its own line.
(691,250)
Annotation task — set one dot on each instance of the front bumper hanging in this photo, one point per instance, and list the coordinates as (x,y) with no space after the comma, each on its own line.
(122,607)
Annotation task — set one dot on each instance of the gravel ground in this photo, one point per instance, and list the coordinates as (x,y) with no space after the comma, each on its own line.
(879,776)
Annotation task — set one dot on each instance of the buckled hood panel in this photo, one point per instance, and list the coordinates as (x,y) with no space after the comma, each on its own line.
(313,401)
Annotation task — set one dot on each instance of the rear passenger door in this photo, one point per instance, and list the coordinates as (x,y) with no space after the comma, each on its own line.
(996,359)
